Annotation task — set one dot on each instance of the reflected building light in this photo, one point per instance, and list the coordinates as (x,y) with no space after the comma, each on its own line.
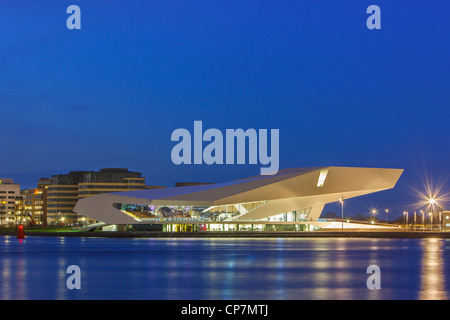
(62,290)
(6,274)
(432,278)
(21,281)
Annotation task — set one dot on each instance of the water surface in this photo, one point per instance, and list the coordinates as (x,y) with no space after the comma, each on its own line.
(179,269)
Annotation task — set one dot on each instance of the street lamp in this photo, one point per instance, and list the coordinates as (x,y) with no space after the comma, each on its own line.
(431,221)
(423,219)
(406,219)
(415,222)
(342,212)
(373,215)
(432,202)
(387,211)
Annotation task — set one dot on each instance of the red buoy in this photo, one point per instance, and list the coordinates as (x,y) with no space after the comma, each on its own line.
(20,232)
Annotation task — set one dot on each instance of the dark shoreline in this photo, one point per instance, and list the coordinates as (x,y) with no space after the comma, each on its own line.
(242,234)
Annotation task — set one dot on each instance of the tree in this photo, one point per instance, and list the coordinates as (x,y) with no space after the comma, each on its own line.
(330,215)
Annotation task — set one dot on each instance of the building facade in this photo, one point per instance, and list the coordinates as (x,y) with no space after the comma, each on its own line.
(33,206)
(62,195)
(66,189)
(9,194)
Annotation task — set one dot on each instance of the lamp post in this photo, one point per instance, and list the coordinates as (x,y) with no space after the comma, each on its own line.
(423,219)
(406,219)
(342,212)
(432,203)
(387,211)
(431,221)
(415,223)
(373,215)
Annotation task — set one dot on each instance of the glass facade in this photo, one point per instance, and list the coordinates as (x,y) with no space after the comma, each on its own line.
(216,218)
(220,227)
(187,213)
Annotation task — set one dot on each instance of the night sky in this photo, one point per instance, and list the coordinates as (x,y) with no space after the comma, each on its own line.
(110,94)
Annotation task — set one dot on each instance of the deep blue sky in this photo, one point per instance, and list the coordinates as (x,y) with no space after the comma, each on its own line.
(110,94)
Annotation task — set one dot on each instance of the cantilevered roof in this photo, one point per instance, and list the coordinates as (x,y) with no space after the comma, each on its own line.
(212,192)
(289,189)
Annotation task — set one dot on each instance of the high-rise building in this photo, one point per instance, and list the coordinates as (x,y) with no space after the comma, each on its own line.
(110,180)
(62,195)
(33,209)
(9,191)
(66,189)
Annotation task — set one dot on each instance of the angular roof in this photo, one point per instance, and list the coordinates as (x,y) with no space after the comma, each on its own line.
(214,192)
(288,190)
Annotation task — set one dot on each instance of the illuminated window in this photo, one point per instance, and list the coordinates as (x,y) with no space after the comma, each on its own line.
(322,177)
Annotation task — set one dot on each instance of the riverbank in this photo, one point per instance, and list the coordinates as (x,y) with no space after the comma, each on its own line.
(241,234)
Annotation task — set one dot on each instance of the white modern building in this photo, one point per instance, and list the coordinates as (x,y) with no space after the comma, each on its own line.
(291,200)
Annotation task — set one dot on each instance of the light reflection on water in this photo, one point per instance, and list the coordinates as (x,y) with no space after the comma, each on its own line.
(432,286)
(223,269)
